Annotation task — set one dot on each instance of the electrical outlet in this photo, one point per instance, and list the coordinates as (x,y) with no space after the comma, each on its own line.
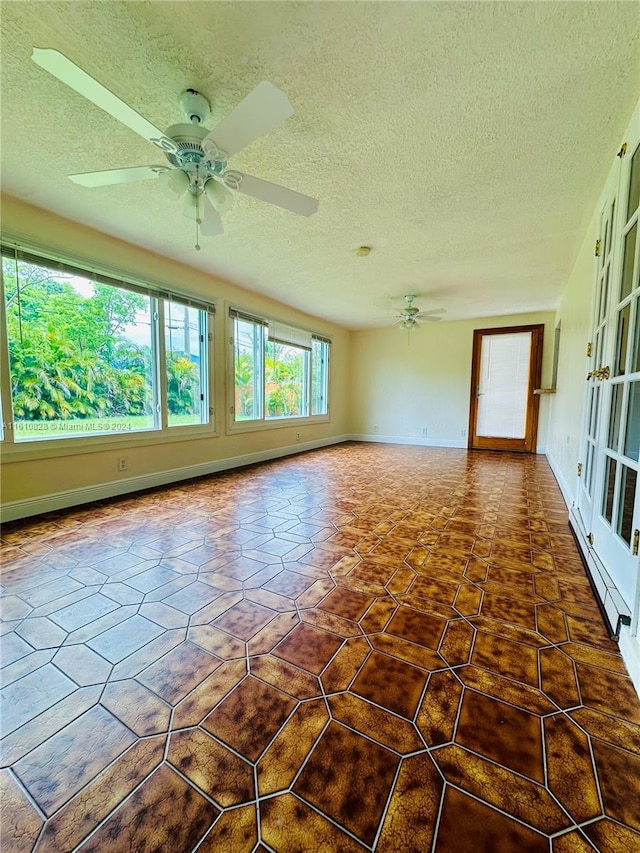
(375,428)
(123,463)
(463,432)
(424,430)
(297,436)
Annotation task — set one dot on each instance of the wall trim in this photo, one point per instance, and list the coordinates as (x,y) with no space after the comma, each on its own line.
(86,494)
(407,439)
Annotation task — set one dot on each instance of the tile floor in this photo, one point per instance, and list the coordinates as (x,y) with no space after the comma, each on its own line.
(366,647)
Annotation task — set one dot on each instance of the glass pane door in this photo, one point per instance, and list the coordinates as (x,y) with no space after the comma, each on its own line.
(617,465)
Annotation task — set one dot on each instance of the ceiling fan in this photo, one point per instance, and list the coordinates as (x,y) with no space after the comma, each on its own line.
(410,317)
(197,157)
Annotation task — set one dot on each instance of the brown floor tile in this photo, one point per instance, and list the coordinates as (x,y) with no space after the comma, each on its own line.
(289,826)
(244,619)
(504,657)
(181,816)
(59,768)
(439,708)
(608,692)
(505,734)
(178,672)
(570,769)
(390,683)
(416,627)
(225,777)
(608,835)
(309,648)
(296,682)
(619,775)
(558,678)
(355,800)
(345,665)
(381,726)
(279,765)
(94,802)
(235,831)
(499,787)
(462,575)
(20,822)
(466,824)
(249,717)
(137,707)
(413,808)
(346,603)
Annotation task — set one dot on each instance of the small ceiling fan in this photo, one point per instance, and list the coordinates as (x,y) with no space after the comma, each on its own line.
(197,157)
(410,317)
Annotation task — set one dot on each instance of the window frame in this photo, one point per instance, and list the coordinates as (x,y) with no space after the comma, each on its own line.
(263,422)
(21,449)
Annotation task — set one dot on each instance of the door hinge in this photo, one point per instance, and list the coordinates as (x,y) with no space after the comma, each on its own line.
(636,542)
(590,539)
(597,248)
(579,469)
(209,336)
(232,410)
(210,411)
(589,349)
(622,151)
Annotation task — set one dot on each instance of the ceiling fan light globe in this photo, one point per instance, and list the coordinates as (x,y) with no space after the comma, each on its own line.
(218,195)
(192,207)
(173,183)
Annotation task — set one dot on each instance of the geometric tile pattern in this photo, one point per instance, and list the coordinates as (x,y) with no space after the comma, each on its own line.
(362,648)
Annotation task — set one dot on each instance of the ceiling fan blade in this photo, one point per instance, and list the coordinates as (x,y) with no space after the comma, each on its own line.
(432,311)
(211,221)
(429,319)
(117,176)
(69,73)
(263,109)
(272,193)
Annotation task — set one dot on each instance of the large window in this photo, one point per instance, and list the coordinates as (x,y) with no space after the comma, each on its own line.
(279,371)
(85,355)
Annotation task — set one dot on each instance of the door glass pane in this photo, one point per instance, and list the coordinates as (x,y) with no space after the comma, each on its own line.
(319,377)
(632,430)
(598,347)
(589,471)
(627,265)
(635,364)
(185,363)
(623,333)
(604,294)
(610,479)
(634,183)
(504,385)
(614,418)
(595,407)
(626,500)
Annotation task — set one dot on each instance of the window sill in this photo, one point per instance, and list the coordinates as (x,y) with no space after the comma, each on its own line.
(234,427)
(23,451)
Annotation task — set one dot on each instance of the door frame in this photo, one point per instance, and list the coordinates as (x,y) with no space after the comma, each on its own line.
(528,443)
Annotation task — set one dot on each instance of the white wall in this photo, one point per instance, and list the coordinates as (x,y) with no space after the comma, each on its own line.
(402,386)
(566,406)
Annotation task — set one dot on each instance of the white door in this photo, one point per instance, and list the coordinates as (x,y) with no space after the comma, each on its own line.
(592,426)
(615,519)
(607,506)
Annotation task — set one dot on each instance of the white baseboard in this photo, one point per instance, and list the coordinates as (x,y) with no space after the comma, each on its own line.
(409,439)
(86,494)
(630,651)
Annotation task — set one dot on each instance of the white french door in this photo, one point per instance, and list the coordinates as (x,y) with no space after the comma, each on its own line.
(607,503)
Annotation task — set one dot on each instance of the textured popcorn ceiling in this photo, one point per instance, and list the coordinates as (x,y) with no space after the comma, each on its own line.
(465,142)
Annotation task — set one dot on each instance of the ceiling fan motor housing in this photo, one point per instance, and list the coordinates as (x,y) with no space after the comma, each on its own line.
(196,107)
